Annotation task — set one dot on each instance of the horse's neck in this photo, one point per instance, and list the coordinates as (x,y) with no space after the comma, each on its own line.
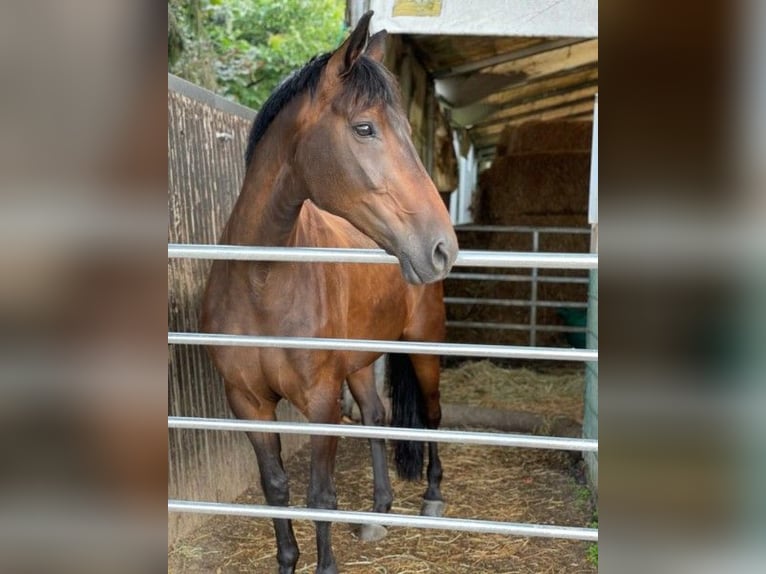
(268,206)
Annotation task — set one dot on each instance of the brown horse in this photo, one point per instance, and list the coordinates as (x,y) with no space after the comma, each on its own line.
(331,164)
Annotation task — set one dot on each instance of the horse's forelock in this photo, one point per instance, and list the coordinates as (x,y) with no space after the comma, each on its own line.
(367,84)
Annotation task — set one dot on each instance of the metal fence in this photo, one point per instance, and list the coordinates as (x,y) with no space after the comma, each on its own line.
(465,259)
(534,278)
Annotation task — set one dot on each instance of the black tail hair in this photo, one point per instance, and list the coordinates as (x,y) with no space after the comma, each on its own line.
(407,410)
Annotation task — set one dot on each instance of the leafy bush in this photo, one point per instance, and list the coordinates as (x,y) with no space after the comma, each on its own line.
(243,48)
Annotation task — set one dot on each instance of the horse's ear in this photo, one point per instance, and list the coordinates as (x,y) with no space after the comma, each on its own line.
(376,47)
(344,57)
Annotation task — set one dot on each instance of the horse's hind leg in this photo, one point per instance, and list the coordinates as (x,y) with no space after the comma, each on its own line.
(274,483)
(427,371)
(362,386)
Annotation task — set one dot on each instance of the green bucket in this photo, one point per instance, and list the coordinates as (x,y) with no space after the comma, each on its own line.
(574,317)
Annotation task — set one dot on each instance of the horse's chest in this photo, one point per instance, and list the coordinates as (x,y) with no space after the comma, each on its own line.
(334,301)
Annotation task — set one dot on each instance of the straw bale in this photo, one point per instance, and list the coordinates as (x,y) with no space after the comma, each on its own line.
(541,181)
(545,136)
(536,184)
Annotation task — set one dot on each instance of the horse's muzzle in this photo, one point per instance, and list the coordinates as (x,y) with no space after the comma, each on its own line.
(431,264)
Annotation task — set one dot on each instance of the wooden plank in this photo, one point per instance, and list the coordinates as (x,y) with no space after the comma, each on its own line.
(541,103)
(547,84)
(473,65)
(584,88)
(438,52)
(585,116)
(490,135)
(552,61)
(577,106)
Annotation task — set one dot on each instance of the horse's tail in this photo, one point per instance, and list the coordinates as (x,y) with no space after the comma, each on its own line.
(407,410)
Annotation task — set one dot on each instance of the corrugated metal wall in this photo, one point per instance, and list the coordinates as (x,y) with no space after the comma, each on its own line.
(207,137)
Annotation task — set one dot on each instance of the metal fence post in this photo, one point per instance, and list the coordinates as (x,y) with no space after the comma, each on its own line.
(533,296)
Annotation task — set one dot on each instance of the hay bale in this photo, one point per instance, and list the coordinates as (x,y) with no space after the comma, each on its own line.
(538,190)
(541,169)
(536,184)
(540,178)
(545,137)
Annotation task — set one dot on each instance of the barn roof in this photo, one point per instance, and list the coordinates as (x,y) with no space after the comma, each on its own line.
(486,83)
(490,72)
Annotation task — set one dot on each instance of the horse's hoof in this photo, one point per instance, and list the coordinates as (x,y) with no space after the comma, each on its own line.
(371,532)
(432,508)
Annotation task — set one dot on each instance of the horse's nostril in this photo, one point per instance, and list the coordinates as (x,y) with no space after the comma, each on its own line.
(440,255)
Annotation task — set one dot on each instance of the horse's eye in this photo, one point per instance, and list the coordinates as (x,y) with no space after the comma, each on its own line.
(364,130)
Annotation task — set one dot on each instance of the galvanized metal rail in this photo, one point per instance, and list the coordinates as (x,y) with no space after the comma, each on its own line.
(465,259)
(374,346)
(337,255)
(393,433)
(463,524)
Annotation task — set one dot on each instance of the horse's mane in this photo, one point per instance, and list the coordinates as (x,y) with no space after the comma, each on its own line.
(366,84)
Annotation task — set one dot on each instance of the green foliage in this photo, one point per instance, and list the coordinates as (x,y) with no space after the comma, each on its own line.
(190,52)
(243,48)
(592,554)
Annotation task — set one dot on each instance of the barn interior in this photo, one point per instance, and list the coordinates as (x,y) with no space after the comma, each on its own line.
(502,115)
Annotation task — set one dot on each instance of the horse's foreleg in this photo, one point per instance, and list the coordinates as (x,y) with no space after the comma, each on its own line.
(362,386)
(274,482)
(427,371)
(321,493)
(275,488)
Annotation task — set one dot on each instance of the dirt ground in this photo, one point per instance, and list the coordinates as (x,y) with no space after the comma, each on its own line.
(492,483)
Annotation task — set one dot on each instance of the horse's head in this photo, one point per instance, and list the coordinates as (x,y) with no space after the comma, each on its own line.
(358,162)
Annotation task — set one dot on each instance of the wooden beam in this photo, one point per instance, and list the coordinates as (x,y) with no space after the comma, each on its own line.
(590,86)
(585,116)
(558,113)
(583,73)
(551,61)
(585,95)
(569,79)
(490,135)
(526,52)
